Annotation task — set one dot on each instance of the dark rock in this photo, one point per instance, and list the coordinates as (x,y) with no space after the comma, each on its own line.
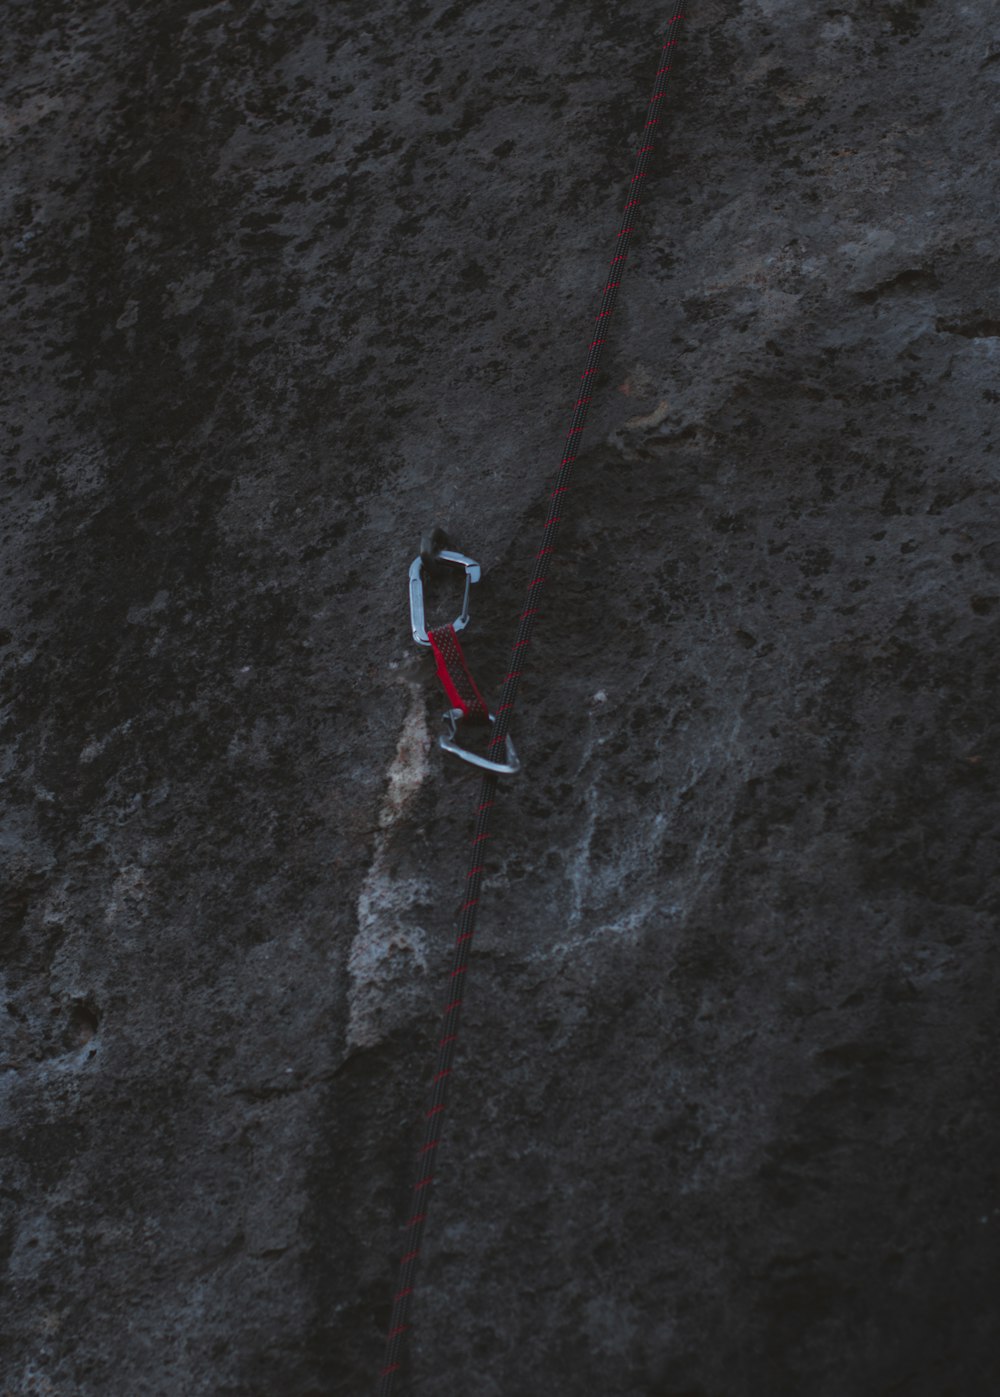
(288,285)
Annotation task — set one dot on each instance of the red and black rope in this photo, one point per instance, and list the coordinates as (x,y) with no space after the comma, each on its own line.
(447,1040)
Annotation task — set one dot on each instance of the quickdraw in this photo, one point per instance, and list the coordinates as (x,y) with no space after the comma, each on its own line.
(453,671)
(468,706)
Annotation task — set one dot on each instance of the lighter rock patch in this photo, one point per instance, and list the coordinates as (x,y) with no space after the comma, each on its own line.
(389,946)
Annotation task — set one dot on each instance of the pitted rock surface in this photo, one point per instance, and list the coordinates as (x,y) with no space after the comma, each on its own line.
(287,284)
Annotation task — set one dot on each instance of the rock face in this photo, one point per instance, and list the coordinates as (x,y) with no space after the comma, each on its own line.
(287,283)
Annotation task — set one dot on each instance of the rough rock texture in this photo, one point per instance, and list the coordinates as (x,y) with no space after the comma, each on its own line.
(288,282)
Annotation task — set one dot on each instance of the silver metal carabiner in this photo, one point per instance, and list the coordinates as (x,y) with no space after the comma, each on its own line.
(453,716)
(418,622)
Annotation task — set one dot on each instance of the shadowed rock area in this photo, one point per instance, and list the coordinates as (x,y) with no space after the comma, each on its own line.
(286,284)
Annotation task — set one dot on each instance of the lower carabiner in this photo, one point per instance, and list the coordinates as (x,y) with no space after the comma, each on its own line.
(453,716)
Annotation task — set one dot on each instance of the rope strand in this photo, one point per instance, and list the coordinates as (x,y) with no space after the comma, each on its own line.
(447,1042)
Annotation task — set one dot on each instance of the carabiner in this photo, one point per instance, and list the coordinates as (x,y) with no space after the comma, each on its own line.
(453,716)
(418,623)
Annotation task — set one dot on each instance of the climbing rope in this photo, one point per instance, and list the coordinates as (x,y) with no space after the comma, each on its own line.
(469,703)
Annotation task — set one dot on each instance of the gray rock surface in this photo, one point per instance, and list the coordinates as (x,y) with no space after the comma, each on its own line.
(288,282)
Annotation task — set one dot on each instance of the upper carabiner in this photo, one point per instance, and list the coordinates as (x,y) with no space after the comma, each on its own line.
(417,620)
